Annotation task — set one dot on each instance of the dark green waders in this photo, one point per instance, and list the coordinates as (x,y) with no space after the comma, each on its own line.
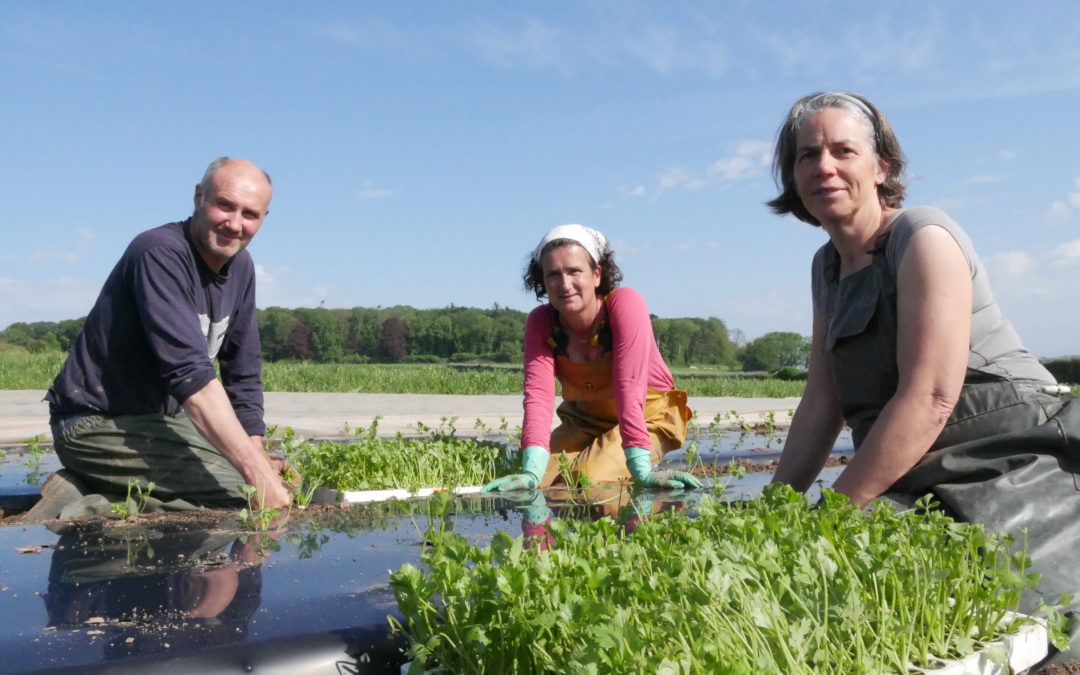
(104,452)
(1008,458)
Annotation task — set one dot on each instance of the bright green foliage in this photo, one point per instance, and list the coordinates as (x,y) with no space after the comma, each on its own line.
(438,459)
(34,450)
(772,585)
(572,479)
(132,507)
(20,369)
(1065,369)
(255,516)
(389,379)
(776,350)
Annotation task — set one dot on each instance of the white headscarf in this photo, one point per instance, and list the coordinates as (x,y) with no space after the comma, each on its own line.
(592,241)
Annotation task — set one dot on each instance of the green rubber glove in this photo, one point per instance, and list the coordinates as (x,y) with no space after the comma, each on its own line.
(534,461)
(637,461)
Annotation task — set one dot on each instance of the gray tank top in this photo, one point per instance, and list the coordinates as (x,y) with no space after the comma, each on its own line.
(995,347)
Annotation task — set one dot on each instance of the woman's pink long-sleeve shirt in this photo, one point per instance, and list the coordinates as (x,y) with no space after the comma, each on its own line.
(636,366)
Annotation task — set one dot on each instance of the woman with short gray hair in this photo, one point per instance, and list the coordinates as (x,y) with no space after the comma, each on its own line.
(911,351)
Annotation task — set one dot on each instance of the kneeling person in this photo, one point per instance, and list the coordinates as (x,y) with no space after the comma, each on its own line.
(620,412)
(139,397)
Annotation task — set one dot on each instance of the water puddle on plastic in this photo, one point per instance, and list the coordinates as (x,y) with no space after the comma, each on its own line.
(198,592)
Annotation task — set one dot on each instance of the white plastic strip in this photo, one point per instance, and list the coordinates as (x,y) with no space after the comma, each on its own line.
(1026,647)
(362,496)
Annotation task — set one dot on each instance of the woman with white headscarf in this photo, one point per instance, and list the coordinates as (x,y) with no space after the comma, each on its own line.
(620,412)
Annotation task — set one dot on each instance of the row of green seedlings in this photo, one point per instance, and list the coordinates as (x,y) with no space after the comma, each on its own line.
(254,516)
(772,585)
(437,457)
(734,421)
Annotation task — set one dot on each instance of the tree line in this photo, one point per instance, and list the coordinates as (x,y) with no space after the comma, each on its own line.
(404,334)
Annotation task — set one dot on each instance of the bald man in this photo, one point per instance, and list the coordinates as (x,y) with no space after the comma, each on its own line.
(139,397)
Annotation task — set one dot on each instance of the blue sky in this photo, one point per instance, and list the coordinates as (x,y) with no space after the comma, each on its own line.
(420,149)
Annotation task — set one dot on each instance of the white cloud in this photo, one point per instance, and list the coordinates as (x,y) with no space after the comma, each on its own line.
(868,49)
(1059,213)
(262,276)
(749,159)
(676,176)
(45,299)
(371,191)
(534,45)
(732,168)
(87,240)
(696,246)
(665,50)
(950,203)
(53,255)
(1010,263)
(70,254)
(1032,289)
(1007,155)
(1074,196)
(1067,254)
(661,48)
(279,287)
(370,35)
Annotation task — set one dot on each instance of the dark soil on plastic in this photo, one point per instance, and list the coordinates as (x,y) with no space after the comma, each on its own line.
(1067,668)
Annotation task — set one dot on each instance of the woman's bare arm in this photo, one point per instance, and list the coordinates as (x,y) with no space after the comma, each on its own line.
(817,420)
(933,341)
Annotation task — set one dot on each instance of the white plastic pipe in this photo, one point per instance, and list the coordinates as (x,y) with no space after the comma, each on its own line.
(361,496)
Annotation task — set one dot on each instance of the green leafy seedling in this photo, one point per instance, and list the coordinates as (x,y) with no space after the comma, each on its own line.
(736,470)
(133,507)
(34,450)
(255,516)
(770,423)
(573,479)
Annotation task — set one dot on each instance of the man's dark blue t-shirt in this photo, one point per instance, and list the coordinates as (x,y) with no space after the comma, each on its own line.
(162,317)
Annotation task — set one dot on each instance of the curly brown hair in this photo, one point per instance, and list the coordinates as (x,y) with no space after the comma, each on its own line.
(610,274)
(878,130)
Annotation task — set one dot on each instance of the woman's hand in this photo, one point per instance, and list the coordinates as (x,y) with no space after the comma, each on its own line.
(638,463)
(534,463)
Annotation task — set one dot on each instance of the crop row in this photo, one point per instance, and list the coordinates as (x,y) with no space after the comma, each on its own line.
(772,585)
(24,370)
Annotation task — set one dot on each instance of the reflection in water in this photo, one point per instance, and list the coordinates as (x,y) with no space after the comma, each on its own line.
(118,593)
(621,503)
(169,588)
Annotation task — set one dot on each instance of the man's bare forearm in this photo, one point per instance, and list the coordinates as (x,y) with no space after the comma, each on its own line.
(213,416)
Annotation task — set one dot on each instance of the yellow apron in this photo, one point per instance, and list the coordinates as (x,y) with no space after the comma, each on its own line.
(589,432)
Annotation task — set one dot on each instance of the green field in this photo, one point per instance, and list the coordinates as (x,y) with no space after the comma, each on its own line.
(24,370)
